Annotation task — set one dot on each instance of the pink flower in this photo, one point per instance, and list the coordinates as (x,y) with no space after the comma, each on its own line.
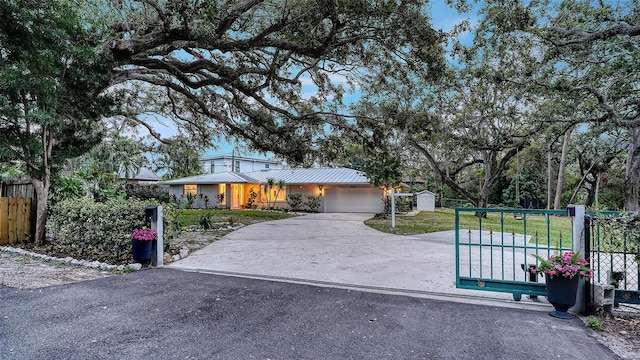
(144,234)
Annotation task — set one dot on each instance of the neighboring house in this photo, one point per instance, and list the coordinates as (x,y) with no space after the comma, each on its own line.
(340,189)
(144,175)
(232,163)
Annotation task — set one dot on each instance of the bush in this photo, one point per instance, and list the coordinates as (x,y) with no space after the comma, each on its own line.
(156,192)
(251,203)
(294,201)
(313,203)
(88,230)
(97,231)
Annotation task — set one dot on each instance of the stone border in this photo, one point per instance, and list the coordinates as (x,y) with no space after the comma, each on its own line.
(96,265)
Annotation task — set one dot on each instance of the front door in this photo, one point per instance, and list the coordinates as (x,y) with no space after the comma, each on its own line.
(235,196)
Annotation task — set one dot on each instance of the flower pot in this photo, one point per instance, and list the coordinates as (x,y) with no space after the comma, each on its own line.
(141,250)
(561,293)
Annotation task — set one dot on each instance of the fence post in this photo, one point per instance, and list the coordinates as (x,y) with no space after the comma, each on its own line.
(577,214)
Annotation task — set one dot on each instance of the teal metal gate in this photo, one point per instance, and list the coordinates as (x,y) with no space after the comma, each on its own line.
(495,247)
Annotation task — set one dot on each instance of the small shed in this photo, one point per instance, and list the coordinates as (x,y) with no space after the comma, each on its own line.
(426,201)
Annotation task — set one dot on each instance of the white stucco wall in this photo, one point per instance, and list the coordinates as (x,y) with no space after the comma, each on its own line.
(211,191)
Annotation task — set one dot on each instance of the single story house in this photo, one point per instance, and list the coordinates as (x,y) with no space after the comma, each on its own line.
(338,189)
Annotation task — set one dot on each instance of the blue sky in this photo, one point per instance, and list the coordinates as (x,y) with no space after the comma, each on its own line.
(443,17)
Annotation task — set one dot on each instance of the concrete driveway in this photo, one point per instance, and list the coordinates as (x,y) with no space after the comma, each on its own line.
(337,249)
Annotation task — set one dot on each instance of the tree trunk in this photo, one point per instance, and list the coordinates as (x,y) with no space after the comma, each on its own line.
(592,190)
(42,192)
(42,186)
(633,172)
(561,168)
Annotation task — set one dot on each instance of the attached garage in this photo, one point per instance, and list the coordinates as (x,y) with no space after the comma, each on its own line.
(353,199)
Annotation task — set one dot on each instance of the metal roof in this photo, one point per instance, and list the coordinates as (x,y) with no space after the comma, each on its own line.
(290,176)
(311,176)
(143,174)
(217,178)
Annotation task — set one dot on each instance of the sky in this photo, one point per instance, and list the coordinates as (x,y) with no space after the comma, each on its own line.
(443,17)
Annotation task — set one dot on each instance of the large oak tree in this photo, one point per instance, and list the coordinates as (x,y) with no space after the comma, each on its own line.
(273,73)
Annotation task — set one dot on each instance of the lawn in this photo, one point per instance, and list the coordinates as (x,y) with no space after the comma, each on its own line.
(193,217)
(444,219)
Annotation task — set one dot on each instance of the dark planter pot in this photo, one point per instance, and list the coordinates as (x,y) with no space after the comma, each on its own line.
(561,293)
(141,250)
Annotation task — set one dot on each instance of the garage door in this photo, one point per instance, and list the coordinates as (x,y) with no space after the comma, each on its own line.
(353,200)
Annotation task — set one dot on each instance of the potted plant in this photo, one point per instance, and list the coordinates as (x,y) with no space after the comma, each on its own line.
(142,239)
(562,272)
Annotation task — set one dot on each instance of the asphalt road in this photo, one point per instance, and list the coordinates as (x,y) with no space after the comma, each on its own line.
(171,314)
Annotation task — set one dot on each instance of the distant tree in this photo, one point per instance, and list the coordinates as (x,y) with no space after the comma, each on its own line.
(177,158)
(586,54)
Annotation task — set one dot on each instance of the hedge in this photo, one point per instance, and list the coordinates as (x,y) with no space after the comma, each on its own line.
(88,230)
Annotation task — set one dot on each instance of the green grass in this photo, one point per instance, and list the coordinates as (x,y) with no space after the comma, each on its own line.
(444,219)
(192,217)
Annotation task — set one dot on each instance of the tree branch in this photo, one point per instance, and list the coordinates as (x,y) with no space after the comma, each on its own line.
(583,36)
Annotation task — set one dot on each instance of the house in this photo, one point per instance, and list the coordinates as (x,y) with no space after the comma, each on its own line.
(143,175)
(233,163)
(337,189)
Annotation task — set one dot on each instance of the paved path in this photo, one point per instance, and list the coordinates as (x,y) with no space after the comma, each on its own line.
(168,314)
(338,249)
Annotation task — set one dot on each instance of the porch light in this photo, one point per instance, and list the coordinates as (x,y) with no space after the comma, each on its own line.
(320,187)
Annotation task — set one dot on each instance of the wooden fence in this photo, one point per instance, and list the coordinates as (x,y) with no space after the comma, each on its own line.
(16,219)
(16,187)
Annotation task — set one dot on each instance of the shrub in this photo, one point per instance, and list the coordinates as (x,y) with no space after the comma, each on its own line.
(156,192)
(594,323)
(251,203)
(88,230)
(66,188)
(190,200)
(313,202)
(172,216)
(206,222)
(294,201)
(97,231)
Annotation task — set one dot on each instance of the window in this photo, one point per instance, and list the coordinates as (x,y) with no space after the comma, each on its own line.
(266,166)
(282,195)
(190,189)
(213,168)
(236,167)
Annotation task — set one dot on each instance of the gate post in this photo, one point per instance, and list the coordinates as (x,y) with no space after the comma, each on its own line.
(577,214)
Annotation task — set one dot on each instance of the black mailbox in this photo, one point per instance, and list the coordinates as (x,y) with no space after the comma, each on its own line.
(151,213)
(571,210)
